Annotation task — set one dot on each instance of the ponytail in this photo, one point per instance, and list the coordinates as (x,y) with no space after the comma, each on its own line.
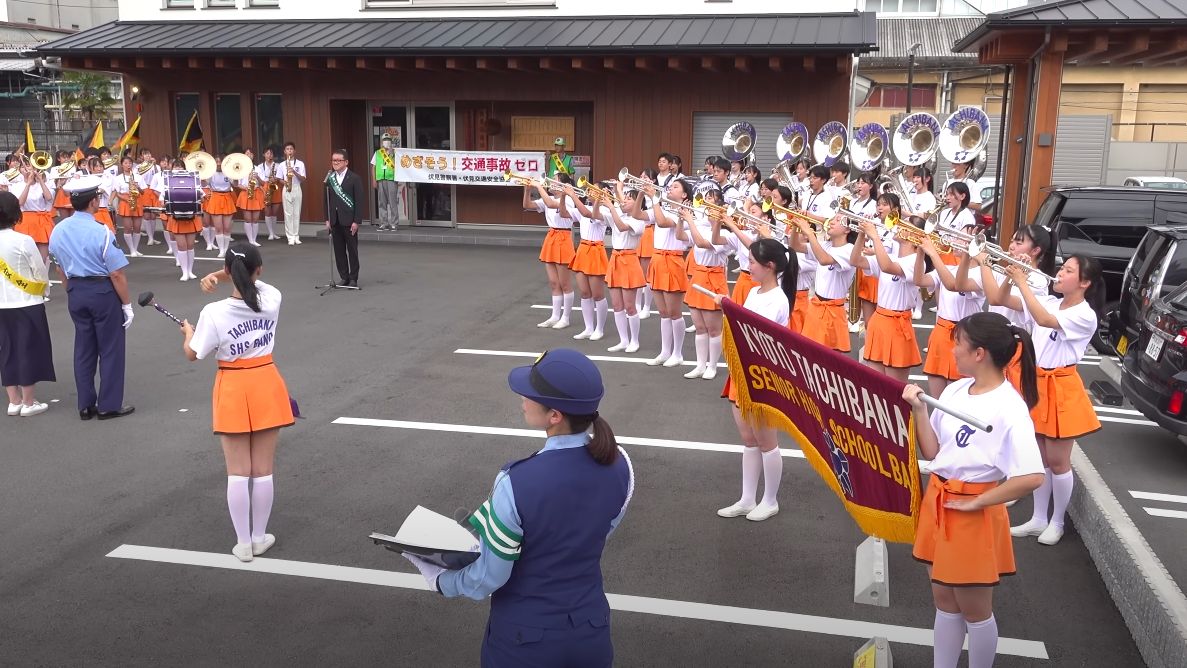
(1029,378)
(1001,340)
(241,263)
(790,280)
(602,446)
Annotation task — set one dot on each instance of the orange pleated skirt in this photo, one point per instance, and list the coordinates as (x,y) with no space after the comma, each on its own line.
(250,200)
(965,549)
(799,312)
(104,216)
(37,224)
(666,273)
(220,204)
(249,395)
(1013,370)
(624,271)
(647,242)
(149,198)
(940,345)
(742,287)
(124,208)
(590,258)
(183,225)
(712,278)
(826,323)
(558,247)
(890,339)
(62,199)
(1064,409)
(867,288)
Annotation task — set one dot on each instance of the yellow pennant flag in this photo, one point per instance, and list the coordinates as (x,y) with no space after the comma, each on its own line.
(132,136)
(97,136)
(29,138)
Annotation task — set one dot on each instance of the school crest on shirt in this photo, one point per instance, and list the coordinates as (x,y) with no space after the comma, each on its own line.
(964,435)
(840,465)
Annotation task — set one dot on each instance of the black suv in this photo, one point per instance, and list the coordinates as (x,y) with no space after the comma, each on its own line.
(1154,371)
(1107,223)
(1158,267)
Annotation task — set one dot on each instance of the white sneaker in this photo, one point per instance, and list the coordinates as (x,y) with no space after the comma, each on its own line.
(762,512)
(674,361)
(292,243)
(38,407)
(222,254)
(547,323)
(184,278)
(168,251)
(632,348)
(644,313)
(933,309)
(916,314)
(582,335)
(193,277)
(618,347)
(596,336)
(690,329)
(737,510)
(254,243)
(857,327)
(272,237)
(242,552)
(658,360)
(259,548)
(696,372)
(1032,528)
(561,324)
(298,240)
(137,253)
(710,373)
(1050,535)
(15,409)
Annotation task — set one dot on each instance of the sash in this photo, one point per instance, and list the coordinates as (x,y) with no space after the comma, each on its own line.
(387,160)
(560,166)
(338,188)
(26,285)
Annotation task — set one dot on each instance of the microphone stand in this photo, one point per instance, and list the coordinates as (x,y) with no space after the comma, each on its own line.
(332,285)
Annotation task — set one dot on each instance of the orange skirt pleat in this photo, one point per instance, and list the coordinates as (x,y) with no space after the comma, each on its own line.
(799,312)
(220,204)
(1064,409)
(742,287)
(37,224)
(941,361)
(590,258)
(183,225)
(826,323)
(557,247)
(965,549)
(624,271)
(890,339)
(255,202)
(712,278)
(867,288)
(250,395)
(647,242)
(104,216)
(666,272)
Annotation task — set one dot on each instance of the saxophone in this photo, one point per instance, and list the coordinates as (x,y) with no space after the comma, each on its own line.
(133,192)
(253,184)
(270,190)
(288,176)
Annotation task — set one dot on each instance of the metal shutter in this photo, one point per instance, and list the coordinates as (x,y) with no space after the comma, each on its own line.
(708,129)
(1081,150)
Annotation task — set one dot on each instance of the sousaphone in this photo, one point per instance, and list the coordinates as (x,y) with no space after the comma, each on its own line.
(963,138)
(738,142)
(916,139)
(869,146)
(202,163)
(829,145)
(791,145)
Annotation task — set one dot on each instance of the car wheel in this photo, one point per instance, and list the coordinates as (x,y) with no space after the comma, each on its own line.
(1100,340)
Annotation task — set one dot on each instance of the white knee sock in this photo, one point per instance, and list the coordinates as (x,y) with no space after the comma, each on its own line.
(239,503)
(639,299)
(714,352)
(601,307)
(150,227)
(620,324)
(751,468)
(1042,498)
(128,241)
(180,257)
(665,338)
(772,474)
(136,242)
(567,308)
(701,344)
(270,223)
(587,315)
(208,237)
(677,325)
(250,230)
(1061,490)
(557,300)
(224,242)
(949,639)
(983,641)
(632,322)
(262,492)
(646,290)
(189,261)
(171,243)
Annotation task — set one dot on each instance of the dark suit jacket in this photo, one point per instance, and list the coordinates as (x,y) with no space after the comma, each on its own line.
(339,213)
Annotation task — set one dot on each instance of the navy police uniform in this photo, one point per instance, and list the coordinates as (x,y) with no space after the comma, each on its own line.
(85,250)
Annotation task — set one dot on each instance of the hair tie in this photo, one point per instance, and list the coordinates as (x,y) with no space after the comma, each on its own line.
(237,254)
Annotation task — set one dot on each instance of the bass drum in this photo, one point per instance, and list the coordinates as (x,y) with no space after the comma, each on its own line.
(183,194)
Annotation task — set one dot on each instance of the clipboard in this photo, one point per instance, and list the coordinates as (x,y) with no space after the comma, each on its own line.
(432,537)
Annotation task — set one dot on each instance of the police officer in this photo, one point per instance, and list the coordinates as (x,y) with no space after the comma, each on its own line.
(92,269)
(545,525)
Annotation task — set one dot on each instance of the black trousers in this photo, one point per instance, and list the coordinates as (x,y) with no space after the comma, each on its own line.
(346,252)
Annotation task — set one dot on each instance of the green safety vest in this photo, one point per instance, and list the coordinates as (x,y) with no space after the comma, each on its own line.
(382,171)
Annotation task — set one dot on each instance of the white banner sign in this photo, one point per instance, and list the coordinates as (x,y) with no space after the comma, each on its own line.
(466,168)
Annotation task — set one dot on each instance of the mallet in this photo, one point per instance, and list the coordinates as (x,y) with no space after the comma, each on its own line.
(146,299)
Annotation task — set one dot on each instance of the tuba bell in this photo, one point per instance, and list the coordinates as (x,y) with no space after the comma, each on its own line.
(830,143)
(791,145)
(915,140)
(868,148)
(738,142)
(41,160)
(963,138)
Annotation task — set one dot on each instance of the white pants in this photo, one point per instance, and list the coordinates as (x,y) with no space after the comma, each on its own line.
(292,210)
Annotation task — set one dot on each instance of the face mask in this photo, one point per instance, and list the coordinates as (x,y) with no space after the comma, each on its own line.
(387,143)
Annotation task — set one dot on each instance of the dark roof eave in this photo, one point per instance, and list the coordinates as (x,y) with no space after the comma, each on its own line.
(857,49)
(973,40)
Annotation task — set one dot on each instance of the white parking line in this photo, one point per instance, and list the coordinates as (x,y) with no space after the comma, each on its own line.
(1121,411)
(1154,496)
(773,619)
(722,365)
(1160,512)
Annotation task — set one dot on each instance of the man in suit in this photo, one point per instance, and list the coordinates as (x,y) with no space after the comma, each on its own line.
(344,212)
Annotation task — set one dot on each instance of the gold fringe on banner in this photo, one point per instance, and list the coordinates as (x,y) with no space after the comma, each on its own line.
(893,527)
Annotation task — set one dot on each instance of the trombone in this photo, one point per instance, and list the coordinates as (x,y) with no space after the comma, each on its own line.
(754,223)
(999,259)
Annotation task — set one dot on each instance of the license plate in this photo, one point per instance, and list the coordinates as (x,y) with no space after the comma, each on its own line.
(1123,346)
(1154,347)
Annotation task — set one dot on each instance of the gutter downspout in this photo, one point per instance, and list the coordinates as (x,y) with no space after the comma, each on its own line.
(999,178)
(1032,112)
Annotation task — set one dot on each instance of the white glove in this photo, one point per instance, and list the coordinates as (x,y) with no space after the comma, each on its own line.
(428,570)
(128,315)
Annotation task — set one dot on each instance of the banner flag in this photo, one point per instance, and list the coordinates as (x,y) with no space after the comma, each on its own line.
(465,168)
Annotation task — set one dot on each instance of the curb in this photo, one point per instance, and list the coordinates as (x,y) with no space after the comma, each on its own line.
(1151,603)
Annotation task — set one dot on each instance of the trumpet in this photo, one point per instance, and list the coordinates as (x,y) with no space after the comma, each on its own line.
(754,223)
(518,179)
(713,211)
(594,192)
(854,221)
(1000,259)
(966,240)
(914,235)
(784,214)
(671,205)
(636,182)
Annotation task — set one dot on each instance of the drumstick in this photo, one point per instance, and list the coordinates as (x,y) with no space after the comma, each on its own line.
(146,299)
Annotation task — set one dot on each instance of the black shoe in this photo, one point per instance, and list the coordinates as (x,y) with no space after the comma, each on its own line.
(88,413)
(353,283)
(111,415)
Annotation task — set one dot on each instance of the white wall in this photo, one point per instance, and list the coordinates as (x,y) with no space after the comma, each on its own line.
(1145,158)
(67,14)
(154,10)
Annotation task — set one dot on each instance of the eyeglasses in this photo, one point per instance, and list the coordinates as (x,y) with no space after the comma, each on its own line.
(337,160)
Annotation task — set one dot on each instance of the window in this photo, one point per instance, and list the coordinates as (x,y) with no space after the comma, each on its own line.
(179,4)
(228,123)
(220,4)
(269,124)
(902,6)
(184,106)
(263,3)
(923,96)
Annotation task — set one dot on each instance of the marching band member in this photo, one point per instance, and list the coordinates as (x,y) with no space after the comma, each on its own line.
(666,275)
(130,209)
(922,201)
(774,272)
(890,345)
(719,173)
(748,189)
(663,169)
(146,177)
(250,403)
(960,174)
(643,296)
(801,181)
(220,204)
(624,274)
(36,197)
(676,167)
(738,242)
(951,307)
(735,177)
(963,532)
(1061,330)
(589,265)
(94,166)
(166,165)
(272,182)
(867,205)
(825,321)
(60,172)
(250,200)
(708,272)
(185,232)
(838,177)
(11,173)
(294,177)
(556,253)
(545,526)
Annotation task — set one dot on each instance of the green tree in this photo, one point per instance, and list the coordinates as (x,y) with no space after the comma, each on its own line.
(88,93)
